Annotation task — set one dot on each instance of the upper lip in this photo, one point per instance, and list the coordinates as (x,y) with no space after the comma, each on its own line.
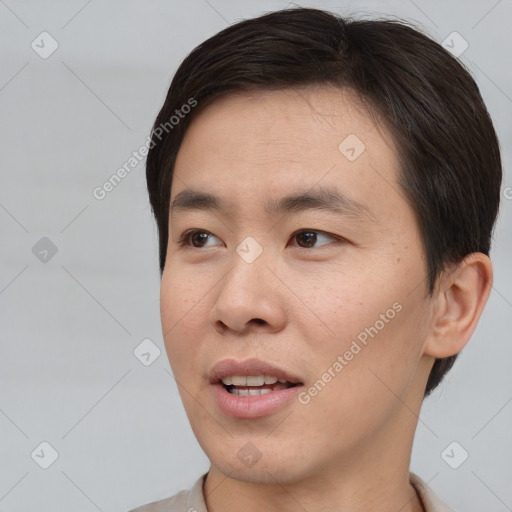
(228,367)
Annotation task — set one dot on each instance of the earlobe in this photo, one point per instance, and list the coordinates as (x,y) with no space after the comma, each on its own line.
(460,298)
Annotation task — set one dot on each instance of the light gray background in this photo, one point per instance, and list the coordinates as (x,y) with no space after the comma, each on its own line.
(69,326)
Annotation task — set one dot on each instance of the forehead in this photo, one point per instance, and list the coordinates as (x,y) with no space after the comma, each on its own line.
(259,146)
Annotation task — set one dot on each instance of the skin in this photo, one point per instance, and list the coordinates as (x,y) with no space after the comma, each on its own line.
(301,304)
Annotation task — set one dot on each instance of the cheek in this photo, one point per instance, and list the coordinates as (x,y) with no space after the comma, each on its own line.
(180,293)
(365,393)
(375,324)
(386,363)
(339,305)
(181,316)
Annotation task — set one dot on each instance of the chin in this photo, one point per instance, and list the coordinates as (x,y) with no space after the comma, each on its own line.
(264,465)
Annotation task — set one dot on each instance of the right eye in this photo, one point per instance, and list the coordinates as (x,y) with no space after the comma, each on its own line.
(195,236)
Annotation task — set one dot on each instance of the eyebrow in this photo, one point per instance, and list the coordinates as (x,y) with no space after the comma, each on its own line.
(322,198)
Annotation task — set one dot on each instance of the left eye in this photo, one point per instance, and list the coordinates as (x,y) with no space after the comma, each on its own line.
(308,236)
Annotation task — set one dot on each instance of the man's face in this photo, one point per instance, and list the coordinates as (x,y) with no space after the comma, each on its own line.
(334,300)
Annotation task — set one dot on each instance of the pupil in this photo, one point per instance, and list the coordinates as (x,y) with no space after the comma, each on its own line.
(308,236)
(202,235)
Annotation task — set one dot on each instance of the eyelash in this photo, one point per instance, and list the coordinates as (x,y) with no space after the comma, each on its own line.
(185,238)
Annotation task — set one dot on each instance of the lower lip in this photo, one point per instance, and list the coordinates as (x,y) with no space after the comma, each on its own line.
(250,407)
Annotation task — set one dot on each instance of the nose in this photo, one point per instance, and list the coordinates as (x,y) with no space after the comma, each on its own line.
(249,297)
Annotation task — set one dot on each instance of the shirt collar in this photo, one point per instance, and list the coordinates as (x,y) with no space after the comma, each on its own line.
(430,501)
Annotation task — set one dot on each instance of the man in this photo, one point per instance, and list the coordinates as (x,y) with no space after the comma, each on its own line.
(325,192)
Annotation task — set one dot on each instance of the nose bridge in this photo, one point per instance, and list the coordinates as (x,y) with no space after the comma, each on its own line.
(247,291)
(249,276)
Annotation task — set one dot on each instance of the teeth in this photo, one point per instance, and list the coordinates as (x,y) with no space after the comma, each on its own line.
(249,392)
(258,380)
(245,391)
(227,381)
(250,380)
(239,380)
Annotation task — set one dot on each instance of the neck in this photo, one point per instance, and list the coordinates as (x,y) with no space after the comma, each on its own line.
(374,478)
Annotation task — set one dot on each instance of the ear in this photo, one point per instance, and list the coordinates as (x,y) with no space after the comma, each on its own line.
(459,299)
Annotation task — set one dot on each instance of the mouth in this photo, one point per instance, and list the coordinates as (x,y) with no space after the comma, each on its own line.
(255,385)
(251,388)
